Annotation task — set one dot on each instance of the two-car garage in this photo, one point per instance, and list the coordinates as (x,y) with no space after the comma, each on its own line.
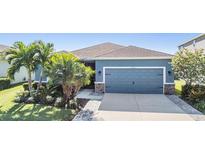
(141,80)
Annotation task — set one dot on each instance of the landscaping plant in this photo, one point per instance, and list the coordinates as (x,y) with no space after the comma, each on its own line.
(21,55)
(44,51)
(189,66)
(66,70)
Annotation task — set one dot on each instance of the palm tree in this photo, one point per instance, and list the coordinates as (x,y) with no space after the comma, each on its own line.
(21,55)
(44,51)
(66,70)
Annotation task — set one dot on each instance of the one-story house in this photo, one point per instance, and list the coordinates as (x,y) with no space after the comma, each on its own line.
(128,69)
(20,76)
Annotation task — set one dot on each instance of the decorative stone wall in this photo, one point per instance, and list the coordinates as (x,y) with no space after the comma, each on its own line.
(169,89)
(99,87)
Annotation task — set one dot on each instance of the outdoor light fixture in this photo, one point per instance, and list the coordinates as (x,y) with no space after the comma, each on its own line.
(99,72)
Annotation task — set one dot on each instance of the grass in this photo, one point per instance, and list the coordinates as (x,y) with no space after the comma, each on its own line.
(178,86)
(10,111)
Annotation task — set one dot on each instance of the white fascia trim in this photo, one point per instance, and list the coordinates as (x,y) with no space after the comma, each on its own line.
(98,82)
(164,72)
(169,83)
(125,58)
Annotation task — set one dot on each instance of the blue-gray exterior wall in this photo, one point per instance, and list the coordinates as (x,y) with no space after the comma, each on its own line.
(134,63)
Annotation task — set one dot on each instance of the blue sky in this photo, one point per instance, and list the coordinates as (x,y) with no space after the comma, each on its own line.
(165,42)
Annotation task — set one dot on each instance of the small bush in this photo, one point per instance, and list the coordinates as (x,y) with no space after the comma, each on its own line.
(34,85)
(200,106)
(22,97)
(25,86)
(194,93)
(59,102)
(4,83)
(73,104)
(50,100)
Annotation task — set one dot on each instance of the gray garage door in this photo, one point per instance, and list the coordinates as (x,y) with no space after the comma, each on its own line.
(142,81)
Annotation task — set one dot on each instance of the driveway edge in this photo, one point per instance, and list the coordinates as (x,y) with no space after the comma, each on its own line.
(195,114)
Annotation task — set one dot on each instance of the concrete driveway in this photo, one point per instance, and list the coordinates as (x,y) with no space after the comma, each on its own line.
(130,107)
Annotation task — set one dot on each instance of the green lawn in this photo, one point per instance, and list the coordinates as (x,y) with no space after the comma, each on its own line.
(178,86)
(14,111)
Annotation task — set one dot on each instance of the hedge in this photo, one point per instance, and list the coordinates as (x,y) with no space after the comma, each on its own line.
(4,83)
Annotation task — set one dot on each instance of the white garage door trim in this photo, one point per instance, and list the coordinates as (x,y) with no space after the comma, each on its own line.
(163,68)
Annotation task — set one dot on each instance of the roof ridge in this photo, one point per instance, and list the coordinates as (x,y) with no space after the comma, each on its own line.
(96,45)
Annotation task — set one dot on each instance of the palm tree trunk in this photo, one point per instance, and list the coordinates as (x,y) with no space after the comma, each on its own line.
(40,81)
(29,82)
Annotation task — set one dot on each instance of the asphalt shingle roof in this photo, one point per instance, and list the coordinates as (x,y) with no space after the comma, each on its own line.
(133,51)
(96,50)
(110,50)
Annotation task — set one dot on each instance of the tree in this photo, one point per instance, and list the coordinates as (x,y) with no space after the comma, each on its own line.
(189,66)
(66,70)
(44,51)
(21,55)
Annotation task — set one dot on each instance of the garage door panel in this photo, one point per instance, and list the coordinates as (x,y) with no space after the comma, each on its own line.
(134,80)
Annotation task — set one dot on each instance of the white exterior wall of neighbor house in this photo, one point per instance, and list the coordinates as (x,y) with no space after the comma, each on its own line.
(19,76)
(196,43)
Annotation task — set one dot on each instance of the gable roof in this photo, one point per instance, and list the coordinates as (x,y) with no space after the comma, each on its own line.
(96,50)
(133,51)
(114,51)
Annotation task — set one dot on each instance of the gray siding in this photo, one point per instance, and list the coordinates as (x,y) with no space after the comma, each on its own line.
(133,63)
(199,44)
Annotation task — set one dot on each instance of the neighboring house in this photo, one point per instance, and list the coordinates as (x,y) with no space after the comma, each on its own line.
(128,69)
(195,43)
(4,65)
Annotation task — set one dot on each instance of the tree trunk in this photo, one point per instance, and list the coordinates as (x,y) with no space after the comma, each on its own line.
(40,81)
(29,82)
(66,93)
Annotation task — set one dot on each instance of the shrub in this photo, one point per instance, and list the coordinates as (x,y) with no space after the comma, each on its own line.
(22,97)
(50,100)
(35,85)
(200,106)
(4,83)
(59,102)
(73,104)
(25,86)
(194,93)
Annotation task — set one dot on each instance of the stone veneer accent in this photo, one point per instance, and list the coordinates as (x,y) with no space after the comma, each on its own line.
(99,87)
(169,89)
